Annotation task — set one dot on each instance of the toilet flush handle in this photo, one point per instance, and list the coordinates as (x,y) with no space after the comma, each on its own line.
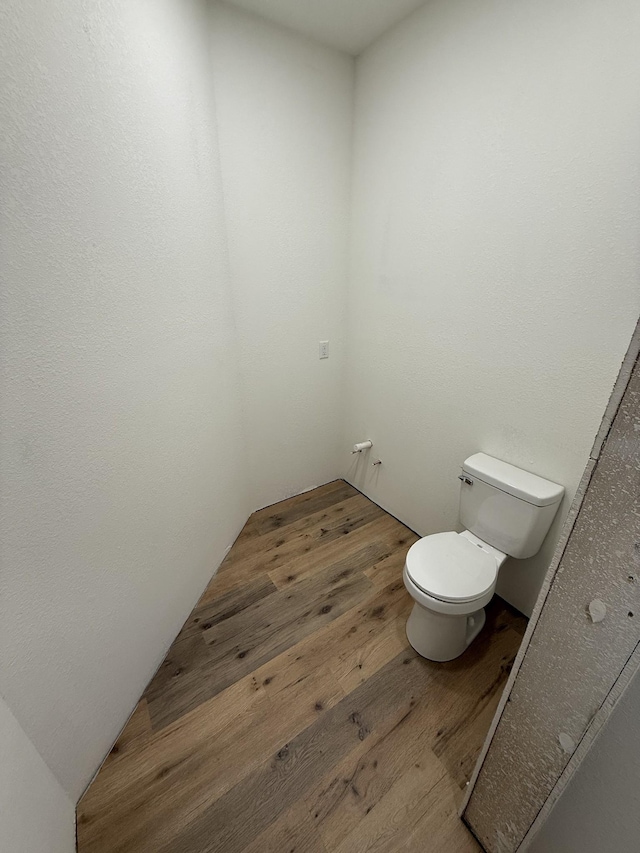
(466,480)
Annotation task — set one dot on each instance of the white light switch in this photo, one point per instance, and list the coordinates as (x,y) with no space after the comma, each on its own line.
(324,349)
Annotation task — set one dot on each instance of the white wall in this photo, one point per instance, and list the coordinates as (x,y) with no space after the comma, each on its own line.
(121,465)
(494,289)
(600,808)
(35,813)
(494,270)
(284,107)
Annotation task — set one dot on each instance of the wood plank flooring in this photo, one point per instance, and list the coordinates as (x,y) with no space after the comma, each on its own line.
(291,715)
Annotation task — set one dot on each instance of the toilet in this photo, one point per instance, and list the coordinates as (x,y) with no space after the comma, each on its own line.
(452,576)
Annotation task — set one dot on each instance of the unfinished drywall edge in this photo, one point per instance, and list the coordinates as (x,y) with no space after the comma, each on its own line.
(487,816)
(617,393)
(631,668)
(571,665)
(567,528)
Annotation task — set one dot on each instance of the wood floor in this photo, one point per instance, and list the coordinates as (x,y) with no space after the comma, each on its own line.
(291,715)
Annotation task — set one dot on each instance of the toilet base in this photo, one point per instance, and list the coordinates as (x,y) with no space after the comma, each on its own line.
(442,636)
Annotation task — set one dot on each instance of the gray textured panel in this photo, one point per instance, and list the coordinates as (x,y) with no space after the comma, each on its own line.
(571,663)
(618,390)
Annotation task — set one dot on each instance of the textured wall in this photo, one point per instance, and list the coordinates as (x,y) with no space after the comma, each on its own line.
(120,426)
(36,813)
(494,290)
(494,272)
(600,809)
(284,108)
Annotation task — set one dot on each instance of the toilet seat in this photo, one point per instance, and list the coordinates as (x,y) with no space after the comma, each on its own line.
(449,567)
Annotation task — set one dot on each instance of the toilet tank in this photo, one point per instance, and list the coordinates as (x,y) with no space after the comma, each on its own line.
(505,506)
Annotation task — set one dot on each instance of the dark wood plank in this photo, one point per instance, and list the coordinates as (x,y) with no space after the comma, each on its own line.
(226,605)
(446,705)
(381,537)
(461,734)
(152,796)
(204,664)
(229,825)
(284,618)
(137,730)
(357,783)
(293,830)
(405,703)
(386,828)
(286,512)
(327,645)
(176,683)
(300,536)
(253,554)
(285,717)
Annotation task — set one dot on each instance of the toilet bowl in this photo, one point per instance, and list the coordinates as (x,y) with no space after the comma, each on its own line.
(452,576)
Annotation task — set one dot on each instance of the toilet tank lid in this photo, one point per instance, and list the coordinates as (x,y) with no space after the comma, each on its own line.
(521,484)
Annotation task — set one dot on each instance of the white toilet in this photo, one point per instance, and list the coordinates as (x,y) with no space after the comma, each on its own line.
(452,576)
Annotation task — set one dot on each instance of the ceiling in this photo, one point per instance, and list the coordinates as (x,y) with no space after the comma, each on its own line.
(349,25)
